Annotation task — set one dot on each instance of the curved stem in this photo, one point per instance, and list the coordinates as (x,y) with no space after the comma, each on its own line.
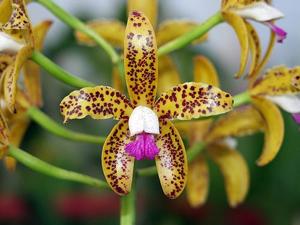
(187,38)
(241,99)
(128,207)
(53,171)
(47,123)
(58,72)
(76,24)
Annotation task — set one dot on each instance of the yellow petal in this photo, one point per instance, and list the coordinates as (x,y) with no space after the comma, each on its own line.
(116,81)
(296,77)
(192,100)
(198,182)
(205,72)
(235,172)
(168,74)
(18,129)
(171,161)
(274,129)
(240,28)
(197,130)
(39,33)
(255,47)
(149,7)
(239,122)
(99,102)
(32,70)
(140,60)
(276,81)
(5,9)
(5,61)
(112,31)
(253,76)
(10,163)
(11,75)
(171,29)
(4,131)
(117,165)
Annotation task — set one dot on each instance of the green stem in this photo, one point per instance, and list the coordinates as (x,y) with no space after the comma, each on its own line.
(128,207)
(241,99)
(187,38)
(58,72)
(76,24)
(53,171)
(48,124)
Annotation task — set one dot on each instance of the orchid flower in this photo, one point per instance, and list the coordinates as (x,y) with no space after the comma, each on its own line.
(17,41)
(231,163)
(279,85)
(14,125)
(144,130)
(166,31)
(237,13)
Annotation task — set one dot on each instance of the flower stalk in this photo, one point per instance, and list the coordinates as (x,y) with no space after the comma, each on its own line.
(58,72)
(48,124)
(53,171)
(187,38)
(128,201)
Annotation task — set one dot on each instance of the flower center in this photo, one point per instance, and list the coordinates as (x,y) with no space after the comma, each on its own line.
(143,147)
(280,33)
(8,44)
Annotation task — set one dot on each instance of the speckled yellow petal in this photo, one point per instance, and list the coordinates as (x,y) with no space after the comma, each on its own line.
(276,81)
(253,76)
(204,71)
(168,74)
(296,77)
(255,47)
(31,69)
(171,29)
(171,161)
(274,129)
(112,31)
(11,75)
(5,61)
(10,163)
(99,102)
(4,132)
(198,182)
(192,100)
(240,28)
(117,165)
(149,7)
(235,172)
(242,121)
(140,60)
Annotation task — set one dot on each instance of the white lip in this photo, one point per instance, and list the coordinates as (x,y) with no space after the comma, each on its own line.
(289,103)
(8,44)
(143,119)
(259,11)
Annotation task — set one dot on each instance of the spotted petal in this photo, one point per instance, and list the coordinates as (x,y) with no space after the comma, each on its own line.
(296,77)
(235,172)
(276,81)
(11,75)
(192,100)
(149,7)
(205,72)
(4,132)
(171,161)
(117,165)
(171,29)
(140,53)
(198,182)
(274,129)
(31,69)
(99,102)
(240,28)
(113,31)
(239,122)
